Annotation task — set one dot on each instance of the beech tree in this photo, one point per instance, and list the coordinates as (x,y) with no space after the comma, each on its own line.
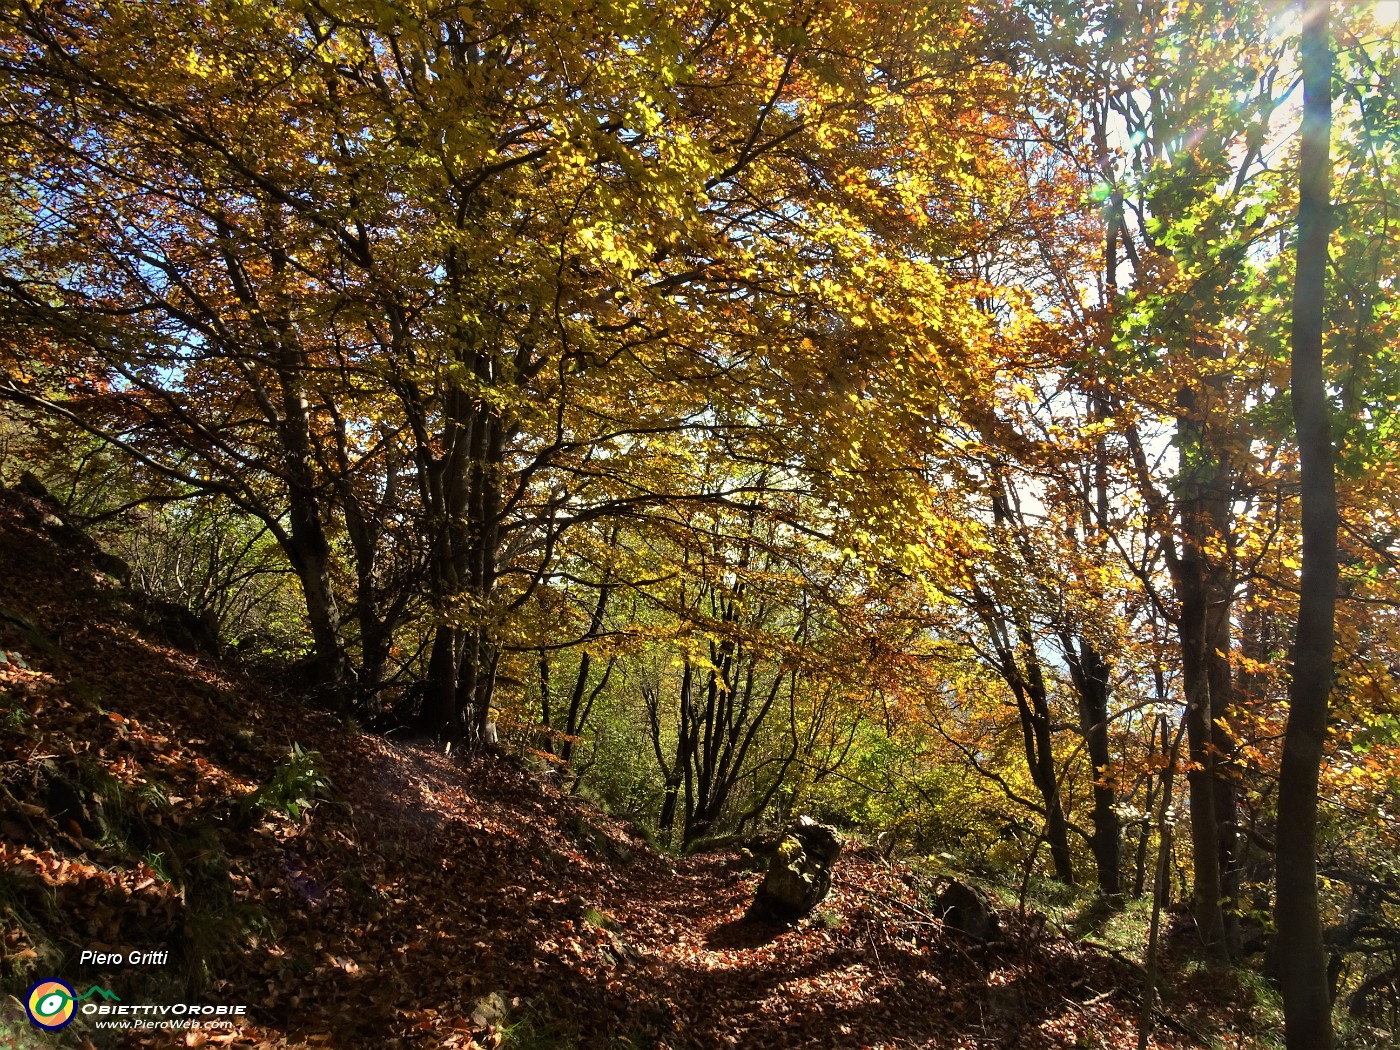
(1301,959)
(492,266)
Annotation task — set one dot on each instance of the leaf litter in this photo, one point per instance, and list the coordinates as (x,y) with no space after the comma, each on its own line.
(430,903)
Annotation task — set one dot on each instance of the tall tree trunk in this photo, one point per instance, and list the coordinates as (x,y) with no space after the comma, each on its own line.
(1013,640)
(1204,580)
(310,555)
(1207,891)
(1161,881)
(1022,672)
(377,617)
(1033,702)
(439,715)
(1090,675)
(308,548)
(1301,958)
(1225,790)
(678,773)
(476,683)
(464,487)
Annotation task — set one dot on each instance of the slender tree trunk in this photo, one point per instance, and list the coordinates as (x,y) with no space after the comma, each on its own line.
(285,407)
(309,550)
(584,692)
(703,759)
(1090,675)
(1033,703)
(443,480)
(1204,579)
(1036,722)
(1161,882)
(1207,892)
(1224,771)
(476,682)
(1015,644)
(1140,859)
(680,774)
(376,642)
(1019,667)
(1087,666)
(1301,958)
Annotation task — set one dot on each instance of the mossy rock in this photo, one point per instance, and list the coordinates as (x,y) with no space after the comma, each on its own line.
(799,875)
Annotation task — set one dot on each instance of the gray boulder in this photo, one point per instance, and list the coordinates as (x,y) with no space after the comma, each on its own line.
(799,873)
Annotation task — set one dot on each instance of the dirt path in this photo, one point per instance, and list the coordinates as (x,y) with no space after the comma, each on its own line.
(450,884)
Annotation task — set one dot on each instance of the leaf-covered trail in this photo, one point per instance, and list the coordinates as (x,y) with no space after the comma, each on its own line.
(483,880)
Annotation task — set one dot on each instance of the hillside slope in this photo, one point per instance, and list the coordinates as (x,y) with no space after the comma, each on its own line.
(152,803)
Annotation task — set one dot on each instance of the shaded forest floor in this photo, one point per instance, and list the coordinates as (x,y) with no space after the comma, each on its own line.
(148,804)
